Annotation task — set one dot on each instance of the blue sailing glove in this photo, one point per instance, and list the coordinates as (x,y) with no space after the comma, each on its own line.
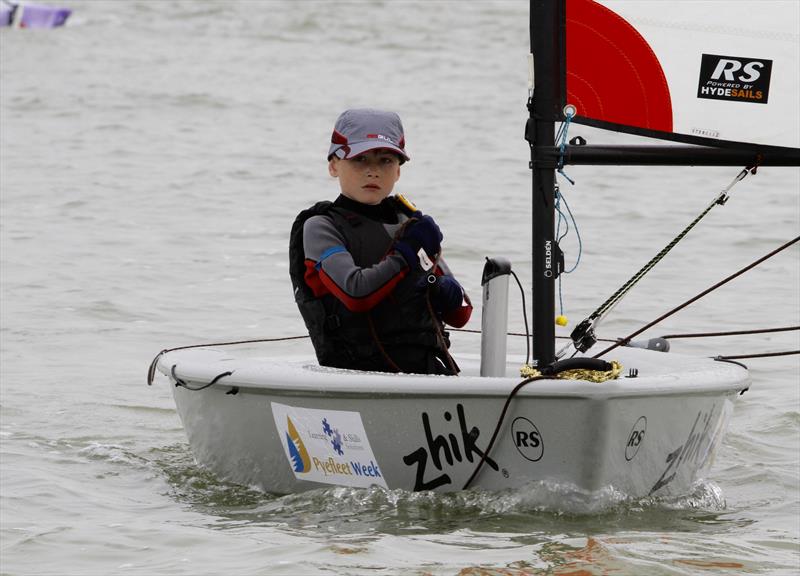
(420,233)
(446,294)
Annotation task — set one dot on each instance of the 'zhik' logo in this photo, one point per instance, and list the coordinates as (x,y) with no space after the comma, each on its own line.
(734,78)
(297,450)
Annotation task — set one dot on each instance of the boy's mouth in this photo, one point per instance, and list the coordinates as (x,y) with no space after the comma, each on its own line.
(371,187)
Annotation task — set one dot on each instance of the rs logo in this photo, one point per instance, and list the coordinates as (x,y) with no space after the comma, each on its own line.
(527,439)
(635,438)
(727,68)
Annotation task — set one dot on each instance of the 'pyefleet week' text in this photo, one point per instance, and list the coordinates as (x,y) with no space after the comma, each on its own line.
(331,467)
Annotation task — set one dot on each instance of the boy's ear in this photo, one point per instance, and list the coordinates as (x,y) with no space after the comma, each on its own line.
(332,168)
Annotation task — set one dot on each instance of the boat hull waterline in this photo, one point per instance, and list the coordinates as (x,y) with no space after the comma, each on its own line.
(287,426)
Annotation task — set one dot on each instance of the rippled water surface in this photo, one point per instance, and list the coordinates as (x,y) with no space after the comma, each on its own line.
(153,155)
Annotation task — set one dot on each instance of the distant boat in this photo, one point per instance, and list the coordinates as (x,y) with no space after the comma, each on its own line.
(650,428)
(26,15)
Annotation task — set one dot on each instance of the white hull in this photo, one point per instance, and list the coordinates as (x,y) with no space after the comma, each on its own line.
(653,434)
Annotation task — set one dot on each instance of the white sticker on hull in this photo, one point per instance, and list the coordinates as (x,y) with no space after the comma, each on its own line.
(328,446)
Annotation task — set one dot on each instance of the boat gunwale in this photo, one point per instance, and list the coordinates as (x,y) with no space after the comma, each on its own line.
(429,394)
(292,381)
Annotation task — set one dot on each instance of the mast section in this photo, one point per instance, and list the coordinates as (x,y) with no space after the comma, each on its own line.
(548,42)
(547,27)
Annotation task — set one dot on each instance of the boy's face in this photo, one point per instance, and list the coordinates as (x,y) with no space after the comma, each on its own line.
(368,178)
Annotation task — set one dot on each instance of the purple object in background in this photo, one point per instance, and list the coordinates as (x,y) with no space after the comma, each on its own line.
(32,15)
(6,14)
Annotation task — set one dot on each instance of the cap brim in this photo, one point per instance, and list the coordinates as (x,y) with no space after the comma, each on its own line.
(360,148)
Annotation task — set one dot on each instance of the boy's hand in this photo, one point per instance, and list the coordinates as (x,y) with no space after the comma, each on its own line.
(420,233)
(446,294)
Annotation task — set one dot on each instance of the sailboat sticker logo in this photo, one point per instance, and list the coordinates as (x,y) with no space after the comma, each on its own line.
(734,78)
(297,450)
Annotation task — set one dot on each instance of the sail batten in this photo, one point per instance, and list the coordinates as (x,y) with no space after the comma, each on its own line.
(712,73)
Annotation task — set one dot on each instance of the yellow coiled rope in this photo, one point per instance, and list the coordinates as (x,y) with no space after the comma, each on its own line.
(528,371)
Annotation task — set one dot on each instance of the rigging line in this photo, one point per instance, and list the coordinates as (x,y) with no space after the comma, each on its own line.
(439,327)
(151,371)
(560,197)
(628,338)
(470,331)
(451,363)
(731,333)
(762,355)
(721,198)
(388,359)
(559,237)
(500,419)
(549,372)
(525,318)
(561,218)
(569,112)
(179,382)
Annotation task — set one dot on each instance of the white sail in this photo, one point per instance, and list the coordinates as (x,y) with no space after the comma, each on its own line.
(688,70)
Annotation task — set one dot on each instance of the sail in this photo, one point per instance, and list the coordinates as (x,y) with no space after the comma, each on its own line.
(720,72)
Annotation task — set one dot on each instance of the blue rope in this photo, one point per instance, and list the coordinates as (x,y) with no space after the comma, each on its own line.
(560,236)
(566,220)
(561,197)
(561,136)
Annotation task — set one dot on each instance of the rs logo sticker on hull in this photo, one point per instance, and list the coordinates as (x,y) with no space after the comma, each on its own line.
(635,438)
(527,439)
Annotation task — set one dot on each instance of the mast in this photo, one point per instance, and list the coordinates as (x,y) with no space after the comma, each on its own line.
(544,104)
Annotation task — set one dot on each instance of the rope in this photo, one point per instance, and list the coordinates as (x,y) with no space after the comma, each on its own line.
(560,237)
(437,324)
(628,338)
(762,355)
(525,318)
(588,374)
(489,447)
(469,331)
(559,198)
(151,371)
(732,333)
(451,363)
(569,112)
(720,200)
(388,359)
(179,382)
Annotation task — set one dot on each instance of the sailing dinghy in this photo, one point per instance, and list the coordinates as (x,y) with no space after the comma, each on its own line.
(648,423)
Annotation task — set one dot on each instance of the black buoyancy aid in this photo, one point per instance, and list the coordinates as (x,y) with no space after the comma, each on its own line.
(401,322)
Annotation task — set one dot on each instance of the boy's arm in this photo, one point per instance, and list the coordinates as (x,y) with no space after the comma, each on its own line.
(330,268)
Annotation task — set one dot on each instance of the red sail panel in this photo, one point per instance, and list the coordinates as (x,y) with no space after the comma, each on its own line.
(612,74)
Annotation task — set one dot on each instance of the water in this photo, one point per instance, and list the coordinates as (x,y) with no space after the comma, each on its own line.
(153,156)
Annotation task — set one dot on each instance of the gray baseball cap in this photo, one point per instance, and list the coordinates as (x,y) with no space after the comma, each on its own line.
(359,130)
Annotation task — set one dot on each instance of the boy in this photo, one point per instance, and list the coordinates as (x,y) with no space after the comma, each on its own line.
(366,271)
